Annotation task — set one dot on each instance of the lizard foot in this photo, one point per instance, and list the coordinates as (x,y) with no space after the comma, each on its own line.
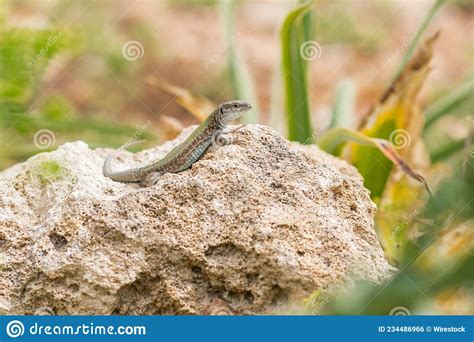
(151,179)
(224,138)
(221,140)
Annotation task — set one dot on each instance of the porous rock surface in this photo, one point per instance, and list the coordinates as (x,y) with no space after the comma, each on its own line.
(257,223)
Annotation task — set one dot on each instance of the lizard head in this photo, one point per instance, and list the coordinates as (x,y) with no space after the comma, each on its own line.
(232,110)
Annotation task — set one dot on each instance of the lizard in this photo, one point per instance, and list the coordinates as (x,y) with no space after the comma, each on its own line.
(183,156)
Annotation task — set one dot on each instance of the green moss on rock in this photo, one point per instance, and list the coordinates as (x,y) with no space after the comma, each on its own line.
(48,171)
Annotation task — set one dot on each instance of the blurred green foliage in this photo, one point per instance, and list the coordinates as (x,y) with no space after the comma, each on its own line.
(205,3)
(450,102)
(364,35)
(343,106)
(239,74)
(26,56)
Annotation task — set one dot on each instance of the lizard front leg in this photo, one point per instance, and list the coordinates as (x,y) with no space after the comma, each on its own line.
(220,140)
(233,130)
(223,138)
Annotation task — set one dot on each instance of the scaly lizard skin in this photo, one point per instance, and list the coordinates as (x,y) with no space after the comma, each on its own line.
(188,152)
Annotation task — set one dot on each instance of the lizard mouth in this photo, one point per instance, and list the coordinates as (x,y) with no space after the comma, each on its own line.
(243,107)
(246,107)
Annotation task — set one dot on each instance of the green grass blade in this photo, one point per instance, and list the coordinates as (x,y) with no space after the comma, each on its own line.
(449,103)
(308,24)
(294,77)
(240,77)
(277,117)
(412,47)
(333,140)
(343,107)
(308,28)
(447,150)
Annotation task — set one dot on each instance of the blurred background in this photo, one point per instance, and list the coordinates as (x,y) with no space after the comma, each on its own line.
(107,71)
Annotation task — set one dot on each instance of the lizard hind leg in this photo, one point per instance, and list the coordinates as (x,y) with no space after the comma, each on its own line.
(151,179)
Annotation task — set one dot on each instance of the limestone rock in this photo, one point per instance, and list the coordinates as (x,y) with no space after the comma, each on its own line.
(256,223)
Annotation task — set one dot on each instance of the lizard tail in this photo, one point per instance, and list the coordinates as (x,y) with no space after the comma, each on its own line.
(107,170)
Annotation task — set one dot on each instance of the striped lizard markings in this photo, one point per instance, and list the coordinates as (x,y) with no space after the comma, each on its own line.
(183,156)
